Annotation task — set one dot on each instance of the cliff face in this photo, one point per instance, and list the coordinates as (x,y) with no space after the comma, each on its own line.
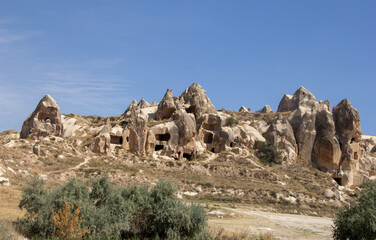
(188,126)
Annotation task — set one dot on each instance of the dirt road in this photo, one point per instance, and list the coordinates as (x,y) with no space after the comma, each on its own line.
(283,226)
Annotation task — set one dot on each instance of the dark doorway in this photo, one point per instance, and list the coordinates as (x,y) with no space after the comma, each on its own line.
(208,138)
(158,147)
(116,140)
(187,156)
(232,144)
(163,137)
(213,150)
(338,180)
(191,109)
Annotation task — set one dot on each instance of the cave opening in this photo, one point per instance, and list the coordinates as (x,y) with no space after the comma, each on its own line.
(191,109)
(158,147)
(187,156)
(163,137)
(338,180)
(208,138)
(116,139)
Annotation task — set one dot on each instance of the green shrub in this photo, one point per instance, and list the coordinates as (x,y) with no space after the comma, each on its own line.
(358,221)
(268,153)
(231,121)
(108,211)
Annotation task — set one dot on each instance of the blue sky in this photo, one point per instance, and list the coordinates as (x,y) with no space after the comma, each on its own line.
(95,57)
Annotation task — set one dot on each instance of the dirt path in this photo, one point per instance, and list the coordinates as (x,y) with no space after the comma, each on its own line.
(283,226)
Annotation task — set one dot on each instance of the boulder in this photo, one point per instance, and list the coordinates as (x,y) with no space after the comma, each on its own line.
(328,193)
(194,100)
(166,107)
(244,109)
(281,135)
(266,109)
(44,121)
(326,151)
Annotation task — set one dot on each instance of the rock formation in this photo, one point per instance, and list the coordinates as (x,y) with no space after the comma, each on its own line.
(194,100)
(266,109)
(44,121)
(143,104)
(166,107)
(244,109)
(347,125)
(281,135)
(102,141)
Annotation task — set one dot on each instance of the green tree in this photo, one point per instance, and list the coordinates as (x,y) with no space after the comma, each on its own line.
(358,221)
(268,153)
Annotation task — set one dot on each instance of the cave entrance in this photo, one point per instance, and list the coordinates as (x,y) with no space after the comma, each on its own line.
(338,180)
(116,140)
(163,137)
(208,138)
(158,147)
(356,155)
(213,150)
(232,144)
(187,156)
(191,109)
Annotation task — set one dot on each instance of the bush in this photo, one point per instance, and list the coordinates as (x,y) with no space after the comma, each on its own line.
(268,153)
(231,121)
(102,210)
(358,221)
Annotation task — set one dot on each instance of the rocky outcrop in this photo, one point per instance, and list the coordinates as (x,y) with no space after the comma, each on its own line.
(304,107)
(166,107)
(154,104)
(137,135)
(347,125)
(44,121)
(102,141)
(143,104)
(128,111)
(281,135)
(244,109)
(194,100)
(326,152)
(301,97)
(266,109)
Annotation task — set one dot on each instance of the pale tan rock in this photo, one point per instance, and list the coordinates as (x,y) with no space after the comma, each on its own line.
(348,130)
(194,100)
(138,130)
(266,109)
(281,135)
(166,107)
(102,141)
(326,151)
(244,109)
(132,105)
(143,104)
(154,104)
(44,121)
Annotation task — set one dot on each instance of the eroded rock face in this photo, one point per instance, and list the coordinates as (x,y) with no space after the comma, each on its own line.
(281,135)
(166,107)
(138,130)
(102,141)
(303,105)
(44,121)
(347,124)
(194,100)
(132,105)
(326,151)
(143,104)
(301,97)
(266,109)
(244,109)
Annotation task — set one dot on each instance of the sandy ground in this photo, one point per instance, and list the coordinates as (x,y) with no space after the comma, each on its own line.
(283,226)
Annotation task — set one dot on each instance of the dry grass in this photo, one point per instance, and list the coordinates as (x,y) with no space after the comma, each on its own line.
(218,233)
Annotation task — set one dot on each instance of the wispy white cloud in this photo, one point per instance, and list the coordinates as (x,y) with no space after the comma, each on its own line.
(7,35)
